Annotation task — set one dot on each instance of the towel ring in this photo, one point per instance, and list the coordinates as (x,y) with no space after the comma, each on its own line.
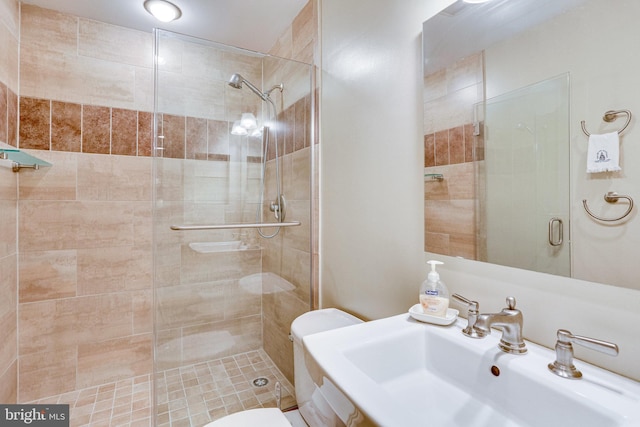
(610,116)
(610,197)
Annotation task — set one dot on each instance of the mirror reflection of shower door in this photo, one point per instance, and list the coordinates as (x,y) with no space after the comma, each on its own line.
(526,178)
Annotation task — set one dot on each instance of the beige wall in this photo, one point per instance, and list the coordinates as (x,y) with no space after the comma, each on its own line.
(372,261)
(372,156)
(569,45)
(8,203)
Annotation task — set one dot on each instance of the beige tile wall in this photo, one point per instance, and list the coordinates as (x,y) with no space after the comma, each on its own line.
(193,283)
(9,25)
(72,59)
(85,269)
(243,320)
(9,36)
(451,149)
(291,254)
(8,281)
(193,80)
(85,291)
(202,311)
(299,41)
(85,265)
(450,94)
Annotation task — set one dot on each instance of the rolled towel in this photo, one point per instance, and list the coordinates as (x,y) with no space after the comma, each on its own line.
(603,154)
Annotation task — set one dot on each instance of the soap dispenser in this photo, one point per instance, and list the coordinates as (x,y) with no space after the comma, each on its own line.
(434,295)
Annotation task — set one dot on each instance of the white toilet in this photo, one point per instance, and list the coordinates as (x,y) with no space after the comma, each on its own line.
(312,403)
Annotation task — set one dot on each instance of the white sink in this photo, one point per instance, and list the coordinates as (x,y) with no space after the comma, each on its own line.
(400,372)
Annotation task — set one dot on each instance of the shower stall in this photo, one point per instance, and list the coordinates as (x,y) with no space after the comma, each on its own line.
(233,226)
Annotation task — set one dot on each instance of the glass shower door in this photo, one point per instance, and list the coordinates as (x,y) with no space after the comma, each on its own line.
(526,178)
(224,297)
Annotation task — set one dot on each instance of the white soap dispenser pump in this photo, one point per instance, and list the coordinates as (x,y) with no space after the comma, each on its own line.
(434,295)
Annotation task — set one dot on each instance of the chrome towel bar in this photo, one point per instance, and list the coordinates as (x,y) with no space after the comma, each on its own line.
(610,116)
(237,225)
(610,197)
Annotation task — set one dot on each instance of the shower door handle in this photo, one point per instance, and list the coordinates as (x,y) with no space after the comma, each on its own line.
(553,241)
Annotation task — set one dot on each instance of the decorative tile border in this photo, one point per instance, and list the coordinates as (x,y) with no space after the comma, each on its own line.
(452,146)
(63,126)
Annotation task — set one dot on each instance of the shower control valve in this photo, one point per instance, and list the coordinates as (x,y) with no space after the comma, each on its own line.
(279,208)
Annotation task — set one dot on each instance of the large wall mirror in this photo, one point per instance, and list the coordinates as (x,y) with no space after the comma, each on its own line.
(507,84)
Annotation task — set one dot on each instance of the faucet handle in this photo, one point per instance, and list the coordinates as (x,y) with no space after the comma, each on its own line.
(563,365)
(472,316)
(511,309)
(473,305)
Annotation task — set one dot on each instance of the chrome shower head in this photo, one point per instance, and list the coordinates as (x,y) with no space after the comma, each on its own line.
(236,81)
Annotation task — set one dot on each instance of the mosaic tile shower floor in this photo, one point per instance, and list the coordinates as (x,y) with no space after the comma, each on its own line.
(186,397)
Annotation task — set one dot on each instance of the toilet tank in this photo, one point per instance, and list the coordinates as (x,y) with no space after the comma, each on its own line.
(315,406)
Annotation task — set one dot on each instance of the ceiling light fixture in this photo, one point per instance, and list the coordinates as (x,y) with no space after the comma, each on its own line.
(248,121)
(163,10)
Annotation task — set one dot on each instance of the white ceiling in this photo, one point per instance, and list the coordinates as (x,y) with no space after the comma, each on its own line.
(250,24)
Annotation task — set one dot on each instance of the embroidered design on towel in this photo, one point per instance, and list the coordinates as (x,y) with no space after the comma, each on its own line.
(602,156)
(603,153)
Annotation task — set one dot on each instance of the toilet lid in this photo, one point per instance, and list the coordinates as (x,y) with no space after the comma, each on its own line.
(263,417)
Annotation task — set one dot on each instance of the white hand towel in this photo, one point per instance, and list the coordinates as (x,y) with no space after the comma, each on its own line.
(603,154)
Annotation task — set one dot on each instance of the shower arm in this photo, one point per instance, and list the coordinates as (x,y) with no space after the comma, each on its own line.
(280,87)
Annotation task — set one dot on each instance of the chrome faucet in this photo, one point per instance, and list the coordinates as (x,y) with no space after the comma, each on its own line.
(510,321)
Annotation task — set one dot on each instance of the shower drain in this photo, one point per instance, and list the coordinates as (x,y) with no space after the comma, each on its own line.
(260,382)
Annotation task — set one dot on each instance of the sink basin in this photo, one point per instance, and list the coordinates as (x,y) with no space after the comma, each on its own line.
(400,372)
